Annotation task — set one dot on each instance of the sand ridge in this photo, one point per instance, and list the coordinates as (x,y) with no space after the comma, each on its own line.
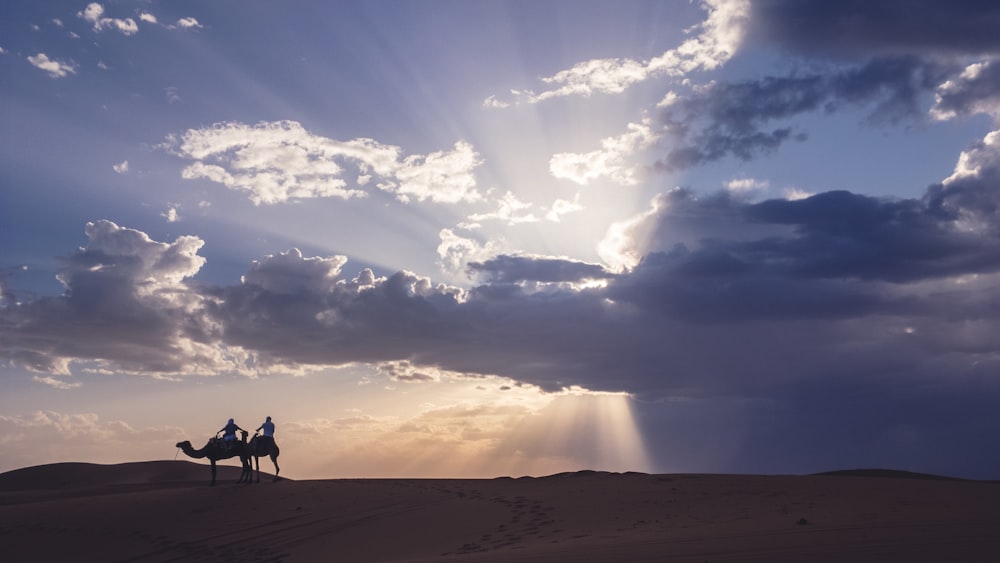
(164,511)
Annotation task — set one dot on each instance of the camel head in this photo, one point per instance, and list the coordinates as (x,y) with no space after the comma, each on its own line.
(184,443)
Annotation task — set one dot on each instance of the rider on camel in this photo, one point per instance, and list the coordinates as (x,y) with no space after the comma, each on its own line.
(268,427)
(229,433)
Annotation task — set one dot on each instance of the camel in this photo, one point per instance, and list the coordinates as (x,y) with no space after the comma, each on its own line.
(263,446)
(215,450)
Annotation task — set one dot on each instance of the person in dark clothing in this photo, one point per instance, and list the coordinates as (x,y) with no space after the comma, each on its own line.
(229,432)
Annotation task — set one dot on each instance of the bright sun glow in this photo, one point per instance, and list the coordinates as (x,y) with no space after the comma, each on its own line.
(468,428)
(598,428)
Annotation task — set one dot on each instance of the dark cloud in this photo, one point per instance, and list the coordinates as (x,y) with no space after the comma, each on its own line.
(889,59)
(124,302)
(359,319)
(841,235)
(843,255)
(732,119)
(861,29)
(511,269)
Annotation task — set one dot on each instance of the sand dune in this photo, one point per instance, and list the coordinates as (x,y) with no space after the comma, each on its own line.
(164,511)
(62,476)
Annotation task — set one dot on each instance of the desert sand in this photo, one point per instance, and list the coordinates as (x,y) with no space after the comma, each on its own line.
(165,511)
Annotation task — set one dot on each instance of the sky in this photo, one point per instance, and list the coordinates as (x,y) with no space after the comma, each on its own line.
(474,239)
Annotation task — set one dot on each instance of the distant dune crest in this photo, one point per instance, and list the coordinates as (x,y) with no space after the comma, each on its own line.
(75,475)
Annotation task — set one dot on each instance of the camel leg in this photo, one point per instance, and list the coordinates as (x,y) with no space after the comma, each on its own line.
(274,460)
(257,458)
(247,474)
(213,472)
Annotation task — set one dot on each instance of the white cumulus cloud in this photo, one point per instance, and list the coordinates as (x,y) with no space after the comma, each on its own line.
(94,13)
(443,176)
(55,68)
(719,37)
(188,23)
(171,214)
(280,161)
(562,207)
(613,160)
(745,185)
(509,209)
(455,251)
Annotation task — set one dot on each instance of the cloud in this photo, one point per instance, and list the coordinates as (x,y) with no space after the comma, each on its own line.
(125,302)
(147,17)
(455,251)
(562,207)
(832,287)
(406,372)
(838,235)
(624,242)
(289,273)
(513,211)
(612,160)
(188,23)
(510,210)
(494,102)
(94,13)
(280,161)
(975,90)
(55,68)
(57,383)
(173,94)
(512,269)
(352,318)
(611,76)
(968,197)
(121,167)
(443,176)
(886,58)
(67,426)
(744,185)
(858,29)
(797,193)
(733,119)
(47,436)
(171,214)
(718,39)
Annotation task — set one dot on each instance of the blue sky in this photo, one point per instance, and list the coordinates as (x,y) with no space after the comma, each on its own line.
(485,238)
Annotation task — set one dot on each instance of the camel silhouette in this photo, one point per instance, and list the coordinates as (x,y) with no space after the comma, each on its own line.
(216,449)
(263,446)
